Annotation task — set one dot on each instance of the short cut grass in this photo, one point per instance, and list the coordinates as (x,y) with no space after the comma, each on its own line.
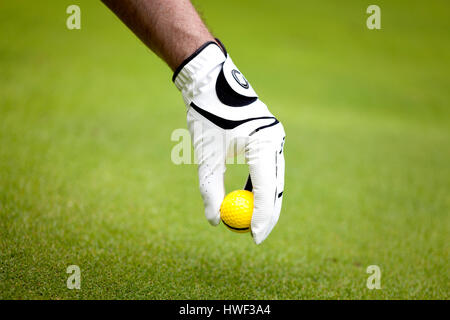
(86,178)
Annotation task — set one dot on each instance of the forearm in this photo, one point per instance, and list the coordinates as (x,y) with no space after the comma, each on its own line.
(170,28)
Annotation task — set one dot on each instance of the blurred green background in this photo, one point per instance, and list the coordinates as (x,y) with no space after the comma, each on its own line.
(86,177)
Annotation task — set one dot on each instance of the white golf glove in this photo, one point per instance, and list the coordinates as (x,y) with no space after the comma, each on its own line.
(225,118)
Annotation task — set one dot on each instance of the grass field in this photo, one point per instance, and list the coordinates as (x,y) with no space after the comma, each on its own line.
(86,177)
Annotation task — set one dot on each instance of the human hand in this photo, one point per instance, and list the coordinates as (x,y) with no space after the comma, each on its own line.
(225,118)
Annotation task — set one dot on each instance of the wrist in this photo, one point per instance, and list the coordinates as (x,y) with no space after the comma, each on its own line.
(208,56)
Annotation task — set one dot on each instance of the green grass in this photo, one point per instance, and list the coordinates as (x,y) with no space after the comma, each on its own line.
(86,177)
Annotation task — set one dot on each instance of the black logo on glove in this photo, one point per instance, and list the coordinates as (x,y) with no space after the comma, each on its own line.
(240,79)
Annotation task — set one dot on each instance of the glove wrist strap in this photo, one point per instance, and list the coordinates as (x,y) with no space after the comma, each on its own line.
(208,56)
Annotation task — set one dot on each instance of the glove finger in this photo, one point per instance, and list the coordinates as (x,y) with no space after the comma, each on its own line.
(210,156)
(265,158)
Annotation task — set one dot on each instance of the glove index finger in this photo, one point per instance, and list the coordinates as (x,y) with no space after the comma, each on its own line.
(210,155)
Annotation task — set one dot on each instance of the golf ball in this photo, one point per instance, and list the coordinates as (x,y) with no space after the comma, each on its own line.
(236,210)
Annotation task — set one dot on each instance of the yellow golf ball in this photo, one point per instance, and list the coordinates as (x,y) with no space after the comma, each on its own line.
(236,210)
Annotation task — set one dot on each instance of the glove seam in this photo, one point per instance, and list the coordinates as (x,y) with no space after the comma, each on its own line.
(191,57)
